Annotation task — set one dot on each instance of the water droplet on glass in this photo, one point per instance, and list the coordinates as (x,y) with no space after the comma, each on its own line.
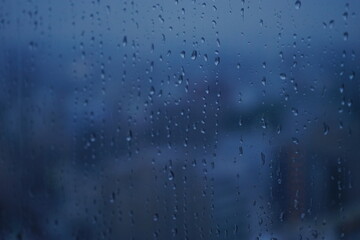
(295,111)
(326,129)
(124,42)
(240,122)
(217,61)
(92,137)
(352,76)
(263,81)
(263,158)
(129,137)
(171,175)
(341,89)
(182,54)
(194,55)
(295,140)
(152,90)
(241,150)
(282,76)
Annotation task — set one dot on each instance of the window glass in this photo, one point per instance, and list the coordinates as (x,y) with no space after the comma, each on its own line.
(180,119)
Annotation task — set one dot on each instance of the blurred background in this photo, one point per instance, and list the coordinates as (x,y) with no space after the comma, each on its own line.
(180,119)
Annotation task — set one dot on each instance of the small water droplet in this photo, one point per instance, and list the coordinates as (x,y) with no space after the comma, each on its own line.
(161,19)
(263,158)
(341,89)
(218,42)
(182,54)
(241,150)
(326,129)
(92,137)
(124,43)
(263,81)
(217,61)
(171,175)
(129,137)
(295,140)
(194,55)
(152,90)
(240,122)
(352,76)
(295,111)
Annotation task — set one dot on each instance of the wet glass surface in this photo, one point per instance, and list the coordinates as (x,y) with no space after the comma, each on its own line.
(179,119)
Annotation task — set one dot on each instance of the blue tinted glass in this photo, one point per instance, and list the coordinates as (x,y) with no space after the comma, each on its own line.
(179,119)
